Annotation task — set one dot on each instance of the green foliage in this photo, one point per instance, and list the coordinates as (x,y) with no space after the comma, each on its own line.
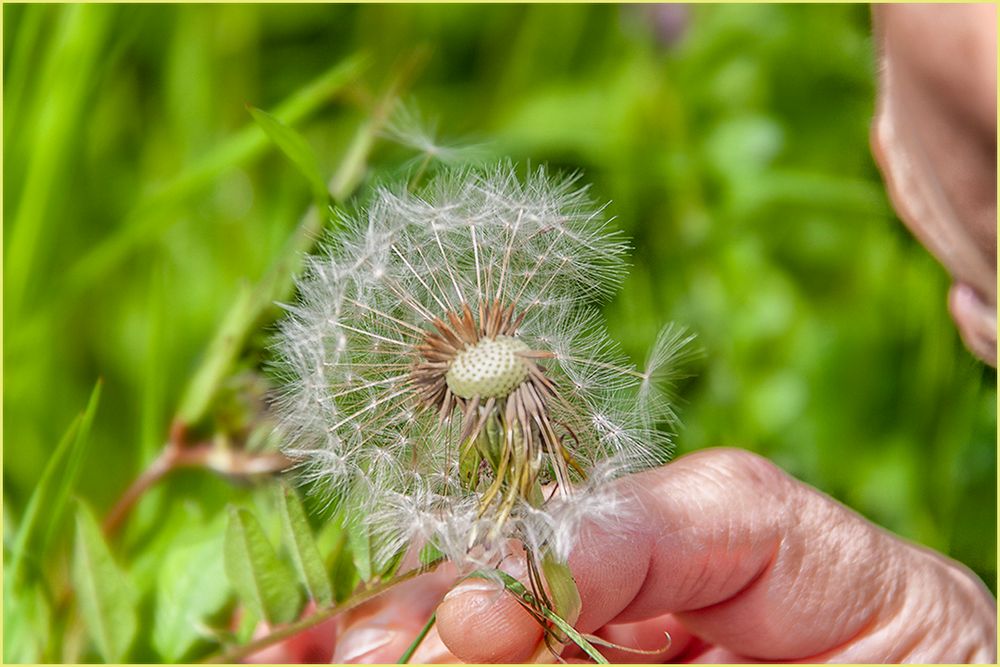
(150,227)
(361,550)
(48,501)
(264,583)
(305,554)
(562,589)
(296,148)
(106,600)
(191,587)
(26,623)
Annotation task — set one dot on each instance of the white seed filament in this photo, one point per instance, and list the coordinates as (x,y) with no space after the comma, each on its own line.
(490,369)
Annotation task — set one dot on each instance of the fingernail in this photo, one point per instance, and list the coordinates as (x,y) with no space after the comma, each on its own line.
(473,586)
(358,643)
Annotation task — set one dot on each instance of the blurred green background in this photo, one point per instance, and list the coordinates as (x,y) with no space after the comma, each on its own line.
(731,139)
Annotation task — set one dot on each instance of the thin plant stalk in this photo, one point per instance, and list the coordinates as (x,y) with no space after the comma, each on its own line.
(412,648)
(240,652)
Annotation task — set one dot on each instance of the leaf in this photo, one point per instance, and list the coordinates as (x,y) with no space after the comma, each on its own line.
(26,624)
(429,554)
(345,574)
(295,148)
(392,565)
(305,553)
(68,478)
(248,622)
(103,594)
(263,582)
(191,586)
(52,490)
(562,588)
(361,549)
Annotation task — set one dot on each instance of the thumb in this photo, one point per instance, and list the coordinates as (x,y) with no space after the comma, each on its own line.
(758,563)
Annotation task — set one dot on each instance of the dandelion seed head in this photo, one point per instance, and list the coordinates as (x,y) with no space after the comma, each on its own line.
(446,360)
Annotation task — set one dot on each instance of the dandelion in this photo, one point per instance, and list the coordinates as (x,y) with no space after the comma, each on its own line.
(449,378)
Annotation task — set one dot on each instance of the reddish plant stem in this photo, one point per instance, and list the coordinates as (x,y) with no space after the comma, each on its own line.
(176,454)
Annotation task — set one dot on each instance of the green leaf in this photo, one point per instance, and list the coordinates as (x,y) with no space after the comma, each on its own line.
(191,586)
(361,549)
(103,594)
(264,583)
(345,574)
(392,565)
(305,553)
(429,554)
(52,490)
(247,626)
(562,588)
(295,148)
(68,478)
(26,624)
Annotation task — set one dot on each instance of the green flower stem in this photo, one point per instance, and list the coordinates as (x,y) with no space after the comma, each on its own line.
(412,648)
(237,654)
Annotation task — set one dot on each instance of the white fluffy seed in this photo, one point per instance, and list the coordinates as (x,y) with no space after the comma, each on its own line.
(490,369)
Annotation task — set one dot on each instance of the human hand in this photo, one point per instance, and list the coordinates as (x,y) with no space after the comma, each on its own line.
(737,561)
(935,140)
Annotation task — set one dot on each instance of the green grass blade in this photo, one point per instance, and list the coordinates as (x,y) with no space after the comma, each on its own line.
(149,217)
(52,489)
(221,353)
(67,480)
(562,588)
(296,149)
(251,304)
(361,549)
(66,80)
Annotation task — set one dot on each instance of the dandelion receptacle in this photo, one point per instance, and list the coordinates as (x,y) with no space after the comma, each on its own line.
(448,374)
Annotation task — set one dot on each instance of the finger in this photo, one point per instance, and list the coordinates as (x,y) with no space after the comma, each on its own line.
(381,630)
(501,630)
(716,655)
(754,562)
(977,322)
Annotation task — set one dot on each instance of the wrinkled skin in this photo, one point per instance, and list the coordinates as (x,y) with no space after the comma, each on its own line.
(934,137)
(736,560)
(739,563)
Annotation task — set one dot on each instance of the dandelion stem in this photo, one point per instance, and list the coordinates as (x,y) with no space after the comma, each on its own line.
(412,648)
